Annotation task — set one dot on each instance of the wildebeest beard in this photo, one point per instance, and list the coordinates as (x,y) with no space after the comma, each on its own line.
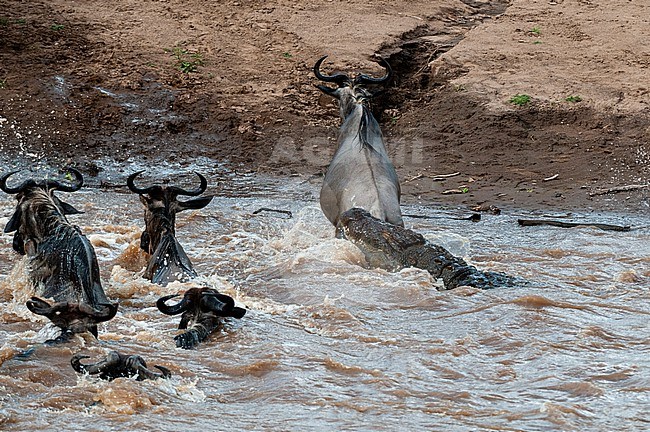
(168,262)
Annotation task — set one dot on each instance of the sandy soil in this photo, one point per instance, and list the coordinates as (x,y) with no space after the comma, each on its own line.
(173,80)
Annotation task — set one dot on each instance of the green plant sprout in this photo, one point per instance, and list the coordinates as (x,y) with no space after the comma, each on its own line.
(520,99)
(186,61)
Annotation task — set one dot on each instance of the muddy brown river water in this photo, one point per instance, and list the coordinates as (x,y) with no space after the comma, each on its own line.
(330,345)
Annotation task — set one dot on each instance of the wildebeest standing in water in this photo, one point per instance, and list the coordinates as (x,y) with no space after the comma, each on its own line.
(168,261)
(361,174)
(62,264)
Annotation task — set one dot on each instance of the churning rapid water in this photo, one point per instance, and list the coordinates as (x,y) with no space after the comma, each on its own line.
(329,345)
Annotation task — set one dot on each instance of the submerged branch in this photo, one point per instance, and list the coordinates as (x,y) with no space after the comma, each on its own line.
(266,209)
(562,224)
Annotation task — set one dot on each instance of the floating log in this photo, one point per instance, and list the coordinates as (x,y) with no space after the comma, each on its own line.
(563,224)
(474,217)
(392,247)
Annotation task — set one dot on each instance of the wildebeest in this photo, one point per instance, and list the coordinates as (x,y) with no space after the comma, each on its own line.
(117,365)
(361,173)
(203,310)
(62,262)
(168,261)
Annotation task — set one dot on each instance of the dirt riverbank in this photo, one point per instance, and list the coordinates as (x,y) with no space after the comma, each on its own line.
(231,81)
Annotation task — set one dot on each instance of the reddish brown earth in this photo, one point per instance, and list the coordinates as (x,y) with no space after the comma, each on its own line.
(86,80)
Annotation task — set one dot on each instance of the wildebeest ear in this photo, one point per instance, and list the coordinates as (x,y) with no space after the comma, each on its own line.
(68,209)
(145,241)
(18,244)
(195,203)
(327,90)
(238,312)
(14,222)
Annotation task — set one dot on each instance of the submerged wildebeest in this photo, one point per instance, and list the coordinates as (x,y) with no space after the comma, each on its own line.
(168,261)
(203,310)
(62,264)
(361,173)
(117,365)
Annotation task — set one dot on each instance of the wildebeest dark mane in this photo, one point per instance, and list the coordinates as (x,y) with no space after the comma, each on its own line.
(37,214)
(159,222)
(49,214)
(57,264)
(365,124)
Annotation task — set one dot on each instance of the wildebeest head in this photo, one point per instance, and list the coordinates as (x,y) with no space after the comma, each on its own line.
(161,204)
(73,317)
(201,308)
(350,91)
(117,365)
(38,209)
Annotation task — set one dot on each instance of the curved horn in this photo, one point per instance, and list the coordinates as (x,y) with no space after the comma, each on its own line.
(112,359)
(53,184)
(75,361)
(15,190)
(166,373)
(39,306)
(106,313)
(172,310)
(338,78)
(365,79)
(133,187)
(137,364)
(194,192)
(218,303)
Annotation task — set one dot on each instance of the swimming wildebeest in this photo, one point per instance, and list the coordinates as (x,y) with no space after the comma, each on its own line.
(361,173)
(117,365)
(62,264)
(203,310)
(168,261)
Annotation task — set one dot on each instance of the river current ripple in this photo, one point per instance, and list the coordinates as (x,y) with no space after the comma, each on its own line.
(330,345)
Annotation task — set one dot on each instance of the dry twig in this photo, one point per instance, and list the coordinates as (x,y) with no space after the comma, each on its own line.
(433,177)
